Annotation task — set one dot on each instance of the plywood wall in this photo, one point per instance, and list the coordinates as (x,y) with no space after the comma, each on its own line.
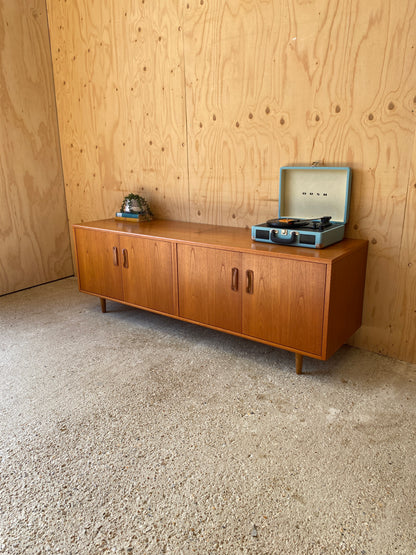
(34,234)
(197,104)
(119,73)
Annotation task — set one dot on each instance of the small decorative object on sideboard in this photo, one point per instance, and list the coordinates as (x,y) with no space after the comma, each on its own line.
(134,208)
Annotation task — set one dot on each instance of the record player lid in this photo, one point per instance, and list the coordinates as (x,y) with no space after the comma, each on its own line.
(309,192)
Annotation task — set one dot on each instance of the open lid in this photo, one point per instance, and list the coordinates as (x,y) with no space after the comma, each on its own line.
(314,192)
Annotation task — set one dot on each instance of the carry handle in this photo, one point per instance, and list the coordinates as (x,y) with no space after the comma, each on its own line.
(279,241)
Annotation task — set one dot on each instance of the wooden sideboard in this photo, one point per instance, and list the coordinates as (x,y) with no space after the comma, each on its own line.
(308,301)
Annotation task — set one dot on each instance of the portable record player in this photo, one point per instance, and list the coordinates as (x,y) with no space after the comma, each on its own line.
(313,208)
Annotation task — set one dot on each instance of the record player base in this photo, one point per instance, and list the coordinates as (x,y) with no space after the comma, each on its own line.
(301,300)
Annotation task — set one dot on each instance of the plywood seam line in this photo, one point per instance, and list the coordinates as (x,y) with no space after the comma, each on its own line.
(186,115)
(57,121)
(409,180)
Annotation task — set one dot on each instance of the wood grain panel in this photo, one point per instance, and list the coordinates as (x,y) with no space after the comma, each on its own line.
(34,235)
(382,160)
(402,328)
(210,285)
(272,83)
(120,92)
(231,99)
(346,281)
(148,274)
(99,263)
(285,302)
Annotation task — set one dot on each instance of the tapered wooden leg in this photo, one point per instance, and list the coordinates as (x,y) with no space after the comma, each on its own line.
(103,305)
(299,363)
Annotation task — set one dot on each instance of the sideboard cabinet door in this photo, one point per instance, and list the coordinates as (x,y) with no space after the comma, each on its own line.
(210,286)
(283,301)
(99,262)
(148,273)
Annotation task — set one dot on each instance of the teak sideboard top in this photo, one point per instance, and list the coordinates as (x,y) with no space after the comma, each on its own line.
(230,238)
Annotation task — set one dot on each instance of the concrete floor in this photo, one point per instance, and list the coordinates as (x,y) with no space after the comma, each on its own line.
(128,432)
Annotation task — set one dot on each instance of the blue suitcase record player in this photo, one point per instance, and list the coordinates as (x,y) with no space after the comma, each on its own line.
(313,208)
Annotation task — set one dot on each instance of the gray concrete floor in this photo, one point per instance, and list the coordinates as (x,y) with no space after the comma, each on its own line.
(129,432)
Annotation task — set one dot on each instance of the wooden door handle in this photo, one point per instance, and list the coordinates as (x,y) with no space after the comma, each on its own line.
(234,279)
(115,256)
(250,281)
(125,258)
